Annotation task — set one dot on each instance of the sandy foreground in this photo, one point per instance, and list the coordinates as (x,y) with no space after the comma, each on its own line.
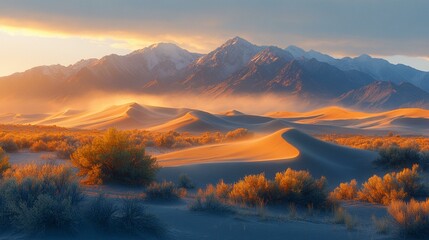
(231,161)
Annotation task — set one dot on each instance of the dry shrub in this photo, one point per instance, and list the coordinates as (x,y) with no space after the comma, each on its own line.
(4,162)
(252,190)
(185,182)
(346,191)
(39,146)
(39,199)
(164,191)
(211,200)
(397,157)
(237,134)
(133,219)
(299,187)
(101,212)
(381,225)
(289,187)
(413,217)
(341,216)
(113,158)
(393,186)
(8,144)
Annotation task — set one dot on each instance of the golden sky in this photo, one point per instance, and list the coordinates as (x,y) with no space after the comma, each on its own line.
(48,32)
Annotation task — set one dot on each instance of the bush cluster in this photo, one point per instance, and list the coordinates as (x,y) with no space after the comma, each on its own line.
(39,199)
(290,186)
(401,185)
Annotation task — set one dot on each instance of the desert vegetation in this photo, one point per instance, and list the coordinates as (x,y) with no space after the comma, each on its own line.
(113,158)
(376,143)
(39,199)
(402,185)
(164,191)
(290,186)
(412,217)
(65,141)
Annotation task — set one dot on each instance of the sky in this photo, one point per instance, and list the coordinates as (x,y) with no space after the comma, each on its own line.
(45,32)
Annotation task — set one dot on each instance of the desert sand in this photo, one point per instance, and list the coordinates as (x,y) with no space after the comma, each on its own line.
(270,154)
(407,121)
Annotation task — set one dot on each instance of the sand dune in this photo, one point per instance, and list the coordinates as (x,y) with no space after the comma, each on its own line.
(269,154)
(331,120)
(271,147)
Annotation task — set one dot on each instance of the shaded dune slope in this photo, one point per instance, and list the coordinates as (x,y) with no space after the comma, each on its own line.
(270,154)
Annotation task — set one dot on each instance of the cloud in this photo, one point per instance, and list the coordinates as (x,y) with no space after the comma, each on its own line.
(381,27)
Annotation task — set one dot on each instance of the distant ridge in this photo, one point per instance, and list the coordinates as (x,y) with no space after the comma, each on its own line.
(237,67)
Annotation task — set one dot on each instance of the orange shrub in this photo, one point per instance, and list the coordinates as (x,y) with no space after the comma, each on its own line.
(346,191)
(252,189)
(393,186)
(300,187)
(413,217)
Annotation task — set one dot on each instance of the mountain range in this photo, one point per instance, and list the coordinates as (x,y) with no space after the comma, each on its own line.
(237,67)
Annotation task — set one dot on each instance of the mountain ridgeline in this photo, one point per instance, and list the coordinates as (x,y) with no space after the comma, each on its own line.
(237,67)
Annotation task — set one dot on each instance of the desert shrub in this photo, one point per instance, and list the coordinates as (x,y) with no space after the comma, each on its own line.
(64,150)
(4,162)
(239,133)
(112,158)
(185,182)
(413,217)
(101,212)
(164,191)
(381,225)
(223,190)
(397,157)
(393,186)
(341,216)
(208,200)
(133,219)
(8,145)
(39,199)
(346,191)
(39,146)
(299,187)
(252,190)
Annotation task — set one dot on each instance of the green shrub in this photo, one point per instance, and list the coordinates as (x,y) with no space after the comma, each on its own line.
(397,157)
(113,158)
(164,191)
(185,182)
(412,217)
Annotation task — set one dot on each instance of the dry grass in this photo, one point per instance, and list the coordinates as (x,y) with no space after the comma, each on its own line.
(377,143)
(413,217)
(166,191)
